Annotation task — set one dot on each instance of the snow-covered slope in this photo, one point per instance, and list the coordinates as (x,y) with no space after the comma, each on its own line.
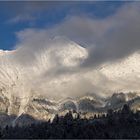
(123,68)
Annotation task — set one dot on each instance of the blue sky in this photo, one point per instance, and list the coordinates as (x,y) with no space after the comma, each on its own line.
(17,16)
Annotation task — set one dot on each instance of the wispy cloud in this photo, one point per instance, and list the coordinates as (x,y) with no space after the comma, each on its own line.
(21,18)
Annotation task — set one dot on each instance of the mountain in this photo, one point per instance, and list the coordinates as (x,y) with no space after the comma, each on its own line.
(54,81)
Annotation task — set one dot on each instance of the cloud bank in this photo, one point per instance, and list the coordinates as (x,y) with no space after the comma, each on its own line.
(106,39)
